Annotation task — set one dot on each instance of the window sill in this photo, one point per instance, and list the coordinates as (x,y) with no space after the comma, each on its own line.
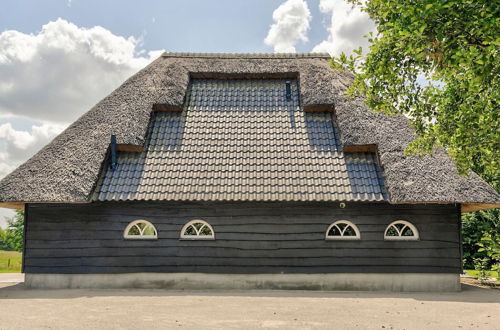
(343,239)
(197,239)
(401,239)
(140,239)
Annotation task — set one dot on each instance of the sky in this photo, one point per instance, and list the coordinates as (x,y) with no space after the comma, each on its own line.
(60,57)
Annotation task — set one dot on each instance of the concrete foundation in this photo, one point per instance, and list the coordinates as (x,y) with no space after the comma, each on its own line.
(197,281)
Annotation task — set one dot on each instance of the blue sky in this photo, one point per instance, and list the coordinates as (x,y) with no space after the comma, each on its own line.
(58,57)
(188,25)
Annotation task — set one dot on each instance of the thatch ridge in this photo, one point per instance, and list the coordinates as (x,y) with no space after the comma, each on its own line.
(248,55)
(67,169)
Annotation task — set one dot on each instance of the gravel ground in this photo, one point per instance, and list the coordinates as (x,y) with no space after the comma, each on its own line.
(20,308)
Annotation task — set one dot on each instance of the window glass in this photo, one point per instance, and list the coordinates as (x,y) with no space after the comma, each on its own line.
(197,229)
(402,230)
(140,229)
(342,229)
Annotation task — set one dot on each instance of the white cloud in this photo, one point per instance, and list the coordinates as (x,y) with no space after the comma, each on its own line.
(19,145)
(5,213)
(348,25)
(50,78)
(63,70)
(291,25)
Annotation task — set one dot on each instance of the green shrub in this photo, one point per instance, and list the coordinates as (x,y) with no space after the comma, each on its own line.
(481,266)
(12,238)
(490,244)
(480,237)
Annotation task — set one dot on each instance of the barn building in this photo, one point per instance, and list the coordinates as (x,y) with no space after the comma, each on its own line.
(241,171)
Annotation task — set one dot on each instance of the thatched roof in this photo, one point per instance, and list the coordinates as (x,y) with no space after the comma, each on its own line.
(67,169)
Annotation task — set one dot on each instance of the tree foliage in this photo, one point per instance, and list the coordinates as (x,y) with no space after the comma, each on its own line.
(3,237)
(436,61)
(481,238)
(12,238)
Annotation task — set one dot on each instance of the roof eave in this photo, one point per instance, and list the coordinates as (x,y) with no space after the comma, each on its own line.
(20,205)
(472,207)
(465,207)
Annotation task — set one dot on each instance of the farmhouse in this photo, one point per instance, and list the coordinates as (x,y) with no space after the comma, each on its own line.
(241,171)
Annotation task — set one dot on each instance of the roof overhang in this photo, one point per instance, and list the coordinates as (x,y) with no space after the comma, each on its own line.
(20,205)
(465,207)
(13,205)
(472,207)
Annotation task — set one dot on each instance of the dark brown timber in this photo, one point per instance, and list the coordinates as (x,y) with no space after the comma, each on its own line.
(250,238)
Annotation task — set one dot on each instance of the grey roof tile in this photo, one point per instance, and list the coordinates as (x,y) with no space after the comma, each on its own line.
(241,140)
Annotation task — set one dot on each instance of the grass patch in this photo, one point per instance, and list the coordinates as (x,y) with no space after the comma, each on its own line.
(10,261)
(475,273)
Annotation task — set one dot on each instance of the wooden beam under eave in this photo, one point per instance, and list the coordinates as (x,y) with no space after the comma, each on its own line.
(244,75)
(360,148)
(20,205)
(319,108)
(166,107)
(13,205)
(472,207)
(129,148)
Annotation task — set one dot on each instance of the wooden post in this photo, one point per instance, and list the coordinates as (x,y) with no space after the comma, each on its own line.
(26,207)
(460,238)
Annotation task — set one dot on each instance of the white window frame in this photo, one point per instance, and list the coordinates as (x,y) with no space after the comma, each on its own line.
(141,236)
(348,223)
(197,237)
(414,229)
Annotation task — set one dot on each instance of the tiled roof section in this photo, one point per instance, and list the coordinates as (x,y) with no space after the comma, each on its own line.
(242,140)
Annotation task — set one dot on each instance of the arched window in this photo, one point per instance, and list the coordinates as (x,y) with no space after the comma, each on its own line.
(343,229)
(197,229)
(140,229)
(401,230)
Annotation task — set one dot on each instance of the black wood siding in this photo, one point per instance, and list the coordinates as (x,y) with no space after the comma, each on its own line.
(250,238)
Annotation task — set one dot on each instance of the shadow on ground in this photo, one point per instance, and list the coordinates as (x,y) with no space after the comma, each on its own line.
(469,294)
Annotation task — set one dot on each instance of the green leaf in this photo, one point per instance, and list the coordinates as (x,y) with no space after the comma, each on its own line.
(456,44)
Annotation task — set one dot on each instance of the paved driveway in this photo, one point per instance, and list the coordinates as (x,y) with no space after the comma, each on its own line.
(473,308)
(11,277)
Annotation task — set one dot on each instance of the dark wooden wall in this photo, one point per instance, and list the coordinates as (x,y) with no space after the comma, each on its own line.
(250,238)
